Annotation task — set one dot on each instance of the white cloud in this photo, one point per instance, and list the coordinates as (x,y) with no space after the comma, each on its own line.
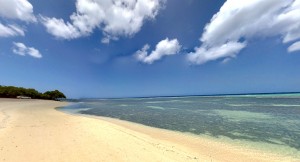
(34,52)
(228,50)
(19,48)
(59,28)
(114,17)
(10,30)
(294,47)
(17,9)
(165,47)
(23,50)
(226,60)
(105,40)
(244,20)
(142,54)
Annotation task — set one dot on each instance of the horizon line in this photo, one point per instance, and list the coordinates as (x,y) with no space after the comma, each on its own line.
(192,95)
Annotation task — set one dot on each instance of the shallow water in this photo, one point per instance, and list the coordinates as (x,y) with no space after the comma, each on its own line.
(270,122)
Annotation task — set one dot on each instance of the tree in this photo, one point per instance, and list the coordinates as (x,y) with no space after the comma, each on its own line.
(53,95)
(13,92)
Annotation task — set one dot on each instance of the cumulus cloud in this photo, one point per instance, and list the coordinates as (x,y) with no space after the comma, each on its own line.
(165,47)
(11,30)
(59,28)
(17,9)
(237,22)
(294,47)
(23,50)
(114,17)
(228,50)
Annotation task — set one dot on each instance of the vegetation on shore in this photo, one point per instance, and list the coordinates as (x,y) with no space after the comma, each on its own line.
(13,92)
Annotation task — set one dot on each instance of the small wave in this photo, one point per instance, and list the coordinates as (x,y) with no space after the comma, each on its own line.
(156,107)
(75,111)
(240,105)
(167,101)
(283,105)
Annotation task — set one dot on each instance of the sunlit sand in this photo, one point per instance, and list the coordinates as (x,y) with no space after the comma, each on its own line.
(33,130)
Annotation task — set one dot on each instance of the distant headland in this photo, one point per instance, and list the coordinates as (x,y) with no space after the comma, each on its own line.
(29,93)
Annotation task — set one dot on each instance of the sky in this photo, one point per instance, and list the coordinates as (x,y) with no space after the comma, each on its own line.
(138,48)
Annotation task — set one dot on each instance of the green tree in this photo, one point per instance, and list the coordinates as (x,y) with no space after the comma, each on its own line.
(53,95)
(13,92)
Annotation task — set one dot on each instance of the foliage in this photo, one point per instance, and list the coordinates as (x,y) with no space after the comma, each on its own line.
(52,95)
(13,92)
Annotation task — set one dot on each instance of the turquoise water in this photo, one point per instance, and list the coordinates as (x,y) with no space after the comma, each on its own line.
(265,121)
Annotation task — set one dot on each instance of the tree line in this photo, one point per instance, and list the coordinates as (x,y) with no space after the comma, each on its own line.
(13,92)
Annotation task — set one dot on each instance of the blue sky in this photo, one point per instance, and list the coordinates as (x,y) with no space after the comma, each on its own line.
(126,48)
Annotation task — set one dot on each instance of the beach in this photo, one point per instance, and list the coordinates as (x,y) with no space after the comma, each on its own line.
(34,130)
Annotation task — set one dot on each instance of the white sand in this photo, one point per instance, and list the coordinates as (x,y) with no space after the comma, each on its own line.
(32,130)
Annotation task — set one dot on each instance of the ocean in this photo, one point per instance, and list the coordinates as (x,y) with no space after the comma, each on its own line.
(268,122)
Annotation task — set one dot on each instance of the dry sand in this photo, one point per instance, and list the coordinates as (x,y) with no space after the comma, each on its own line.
(33,130)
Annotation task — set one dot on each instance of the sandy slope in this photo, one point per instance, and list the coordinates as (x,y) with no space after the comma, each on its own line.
(32,130)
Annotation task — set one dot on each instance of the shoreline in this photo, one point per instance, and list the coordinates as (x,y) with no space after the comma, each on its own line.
(36,131)
(163,134)
(190,140)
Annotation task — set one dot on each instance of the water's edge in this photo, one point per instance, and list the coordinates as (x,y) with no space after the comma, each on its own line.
(234,115)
